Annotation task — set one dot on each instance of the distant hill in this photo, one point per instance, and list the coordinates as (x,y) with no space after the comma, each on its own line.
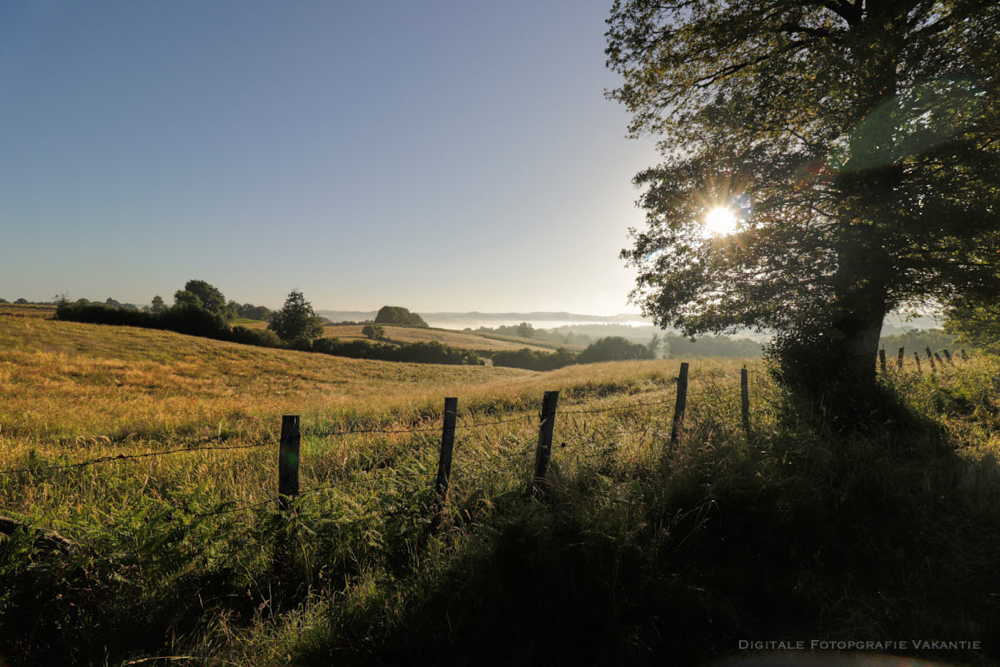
(475,319)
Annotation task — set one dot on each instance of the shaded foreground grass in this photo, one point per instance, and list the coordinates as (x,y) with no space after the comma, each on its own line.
(640,553)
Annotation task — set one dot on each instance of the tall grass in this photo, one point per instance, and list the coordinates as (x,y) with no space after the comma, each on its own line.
(640,553)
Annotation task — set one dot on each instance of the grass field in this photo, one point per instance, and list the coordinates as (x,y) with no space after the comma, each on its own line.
(639,553)
(460,339)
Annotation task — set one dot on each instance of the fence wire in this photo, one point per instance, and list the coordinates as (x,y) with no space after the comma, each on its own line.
(113,458)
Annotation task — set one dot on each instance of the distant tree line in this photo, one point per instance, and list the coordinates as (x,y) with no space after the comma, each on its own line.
(612,348)
(671,345)
(201,310)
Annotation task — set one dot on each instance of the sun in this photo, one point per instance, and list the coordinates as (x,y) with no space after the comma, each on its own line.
(720,221)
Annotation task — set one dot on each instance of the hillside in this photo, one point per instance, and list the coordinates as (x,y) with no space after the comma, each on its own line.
(155,455)
(460,339)
(65,379)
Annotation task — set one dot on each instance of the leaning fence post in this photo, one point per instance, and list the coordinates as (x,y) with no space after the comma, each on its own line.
(930,358)
(881,359)
(682,390)
(965,357)
(447,444)
(899,360)
(947,356)
(745,399)
(288,461)
(916,357)
(544,450)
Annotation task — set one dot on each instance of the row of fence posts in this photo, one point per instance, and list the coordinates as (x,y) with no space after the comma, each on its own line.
(288,455)
(931,356)
(288,450)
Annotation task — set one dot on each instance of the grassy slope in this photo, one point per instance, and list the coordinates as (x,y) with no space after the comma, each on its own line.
(450,337)
(68,379)
(641,553)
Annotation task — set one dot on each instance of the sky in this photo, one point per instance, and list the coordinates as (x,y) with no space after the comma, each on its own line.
(438,155)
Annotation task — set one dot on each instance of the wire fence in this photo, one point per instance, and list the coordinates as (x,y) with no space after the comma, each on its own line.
(114,458)
(576,427)
(288,447)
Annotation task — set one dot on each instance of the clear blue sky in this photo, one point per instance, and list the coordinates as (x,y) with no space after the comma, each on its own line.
(439,155)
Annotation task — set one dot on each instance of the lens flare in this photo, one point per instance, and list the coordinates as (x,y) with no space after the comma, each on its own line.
(720,221)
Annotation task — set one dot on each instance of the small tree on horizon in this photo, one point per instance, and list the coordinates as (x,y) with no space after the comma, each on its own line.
(373,331)
(296,320)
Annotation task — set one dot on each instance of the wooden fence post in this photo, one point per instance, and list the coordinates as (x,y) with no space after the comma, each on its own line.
(447,444)
(745,399)
(544,450)
(930,358)
(881,360)
(947,356)
(288,461)
(916,358)
(939,359)
(682,390)
(899,360)
(965,357)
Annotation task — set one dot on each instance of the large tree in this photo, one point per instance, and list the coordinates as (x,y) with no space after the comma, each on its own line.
(296,321)
(856,141)
(201,293)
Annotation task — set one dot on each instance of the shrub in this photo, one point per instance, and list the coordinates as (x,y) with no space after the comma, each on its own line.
(259,337)
(187,319)
(534,360)
(420,353)
(193,320)
(374,331)
(614,348)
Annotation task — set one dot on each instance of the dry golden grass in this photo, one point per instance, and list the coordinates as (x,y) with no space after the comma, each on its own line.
(67,380)
(460,339)
(75,392)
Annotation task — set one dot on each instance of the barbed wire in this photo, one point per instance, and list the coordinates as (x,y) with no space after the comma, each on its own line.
(610,409)
(123,457)
(309,433)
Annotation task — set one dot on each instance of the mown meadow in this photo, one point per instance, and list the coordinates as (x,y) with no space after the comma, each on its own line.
(640,552)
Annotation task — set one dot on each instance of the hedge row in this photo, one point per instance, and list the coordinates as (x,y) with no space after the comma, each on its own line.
(612,348)
(196,321)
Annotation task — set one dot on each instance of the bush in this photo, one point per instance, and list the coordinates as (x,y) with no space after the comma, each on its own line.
(193,321)
(534,360)
(259,337)
(419,353)
(186,319)
(614,348)
(374,331)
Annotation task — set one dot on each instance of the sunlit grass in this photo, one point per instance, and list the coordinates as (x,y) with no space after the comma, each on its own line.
(654,549)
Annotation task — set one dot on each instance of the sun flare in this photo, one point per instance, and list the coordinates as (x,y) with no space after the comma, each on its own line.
(720,221)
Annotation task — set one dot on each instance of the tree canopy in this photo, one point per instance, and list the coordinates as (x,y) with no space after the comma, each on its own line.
(614,348)
(399,315)
(296,320)
(976,323)
(200,293)
(855,141)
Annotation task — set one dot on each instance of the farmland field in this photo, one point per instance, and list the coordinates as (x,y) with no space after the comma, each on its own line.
(449,337)
(638,550)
